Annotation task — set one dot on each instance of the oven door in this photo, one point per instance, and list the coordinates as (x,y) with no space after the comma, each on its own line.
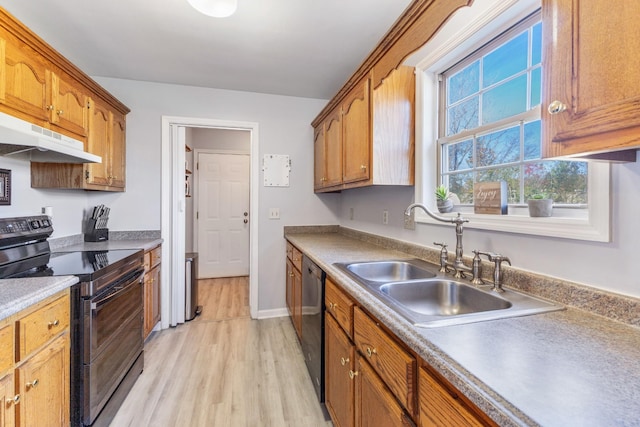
(113,339)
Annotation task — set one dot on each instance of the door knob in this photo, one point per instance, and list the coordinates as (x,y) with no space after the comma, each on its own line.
(245,221)
(246,214)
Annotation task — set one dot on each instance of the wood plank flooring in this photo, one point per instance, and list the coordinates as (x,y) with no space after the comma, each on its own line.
(223,369)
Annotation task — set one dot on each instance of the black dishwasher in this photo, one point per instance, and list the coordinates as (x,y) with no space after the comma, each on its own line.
(313,323)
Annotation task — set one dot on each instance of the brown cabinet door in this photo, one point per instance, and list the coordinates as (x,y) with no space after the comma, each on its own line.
(375,404)
(23,91)
(44,386)
(289,289)
(339,364)
(591,67)
(319,161)
(98,143)
(356,134)
(7,396)
(69,103)
(151,299)
(155,305)
(118,151)
(297,302)
(441,407)
(333,149)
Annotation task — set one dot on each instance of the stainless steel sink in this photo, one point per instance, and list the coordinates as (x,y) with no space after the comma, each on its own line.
(442,297)
(427,298)
(389,271)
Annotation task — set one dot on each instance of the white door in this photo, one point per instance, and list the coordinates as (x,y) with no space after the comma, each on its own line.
(223,215)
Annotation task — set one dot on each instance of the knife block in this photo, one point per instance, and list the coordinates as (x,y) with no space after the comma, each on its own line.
(94,234)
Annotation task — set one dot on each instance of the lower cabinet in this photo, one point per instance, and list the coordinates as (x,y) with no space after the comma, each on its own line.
(294,287)
(152,289)
(339,389)
(375,380)
(35,365)
(375,404)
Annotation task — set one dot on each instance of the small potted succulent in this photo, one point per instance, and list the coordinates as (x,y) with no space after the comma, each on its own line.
(540,205)
(443,199)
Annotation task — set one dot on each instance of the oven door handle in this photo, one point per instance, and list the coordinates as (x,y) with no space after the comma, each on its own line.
(118,291)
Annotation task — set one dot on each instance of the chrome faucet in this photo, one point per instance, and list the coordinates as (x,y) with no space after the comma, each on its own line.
(458,265)
(497,260)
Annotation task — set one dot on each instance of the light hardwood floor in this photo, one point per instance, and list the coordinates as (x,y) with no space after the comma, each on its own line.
(223,369)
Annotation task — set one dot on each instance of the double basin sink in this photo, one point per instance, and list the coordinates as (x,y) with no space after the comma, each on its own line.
(427,298)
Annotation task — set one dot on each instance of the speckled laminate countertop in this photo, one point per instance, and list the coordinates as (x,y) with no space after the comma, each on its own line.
(567,368)
(144,244)
(18,294)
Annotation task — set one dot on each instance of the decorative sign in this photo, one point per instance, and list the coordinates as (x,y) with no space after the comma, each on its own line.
(490,198)
(5,187)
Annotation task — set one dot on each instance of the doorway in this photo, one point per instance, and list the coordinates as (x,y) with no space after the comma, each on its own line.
(174,208)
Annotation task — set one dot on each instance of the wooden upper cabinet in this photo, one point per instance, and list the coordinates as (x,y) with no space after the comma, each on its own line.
(318,157)
(118,150)
(23,81)
(69,105)
(356,134)
(333,149)
(98,143)
(590,74)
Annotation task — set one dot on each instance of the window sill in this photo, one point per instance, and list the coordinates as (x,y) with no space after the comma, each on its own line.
(554,226)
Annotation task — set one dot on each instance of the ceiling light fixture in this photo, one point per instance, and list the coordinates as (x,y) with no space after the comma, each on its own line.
(215,8)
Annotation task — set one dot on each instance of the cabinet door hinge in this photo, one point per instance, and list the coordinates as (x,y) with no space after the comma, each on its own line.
(197,215)
(86,174)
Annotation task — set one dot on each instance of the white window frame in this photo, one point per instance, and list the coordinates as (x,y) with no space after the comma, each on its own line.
(469,29)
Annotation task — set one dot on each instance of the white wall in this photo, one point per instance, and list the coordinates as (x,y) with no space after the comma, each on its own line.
(284,128)
(610,266)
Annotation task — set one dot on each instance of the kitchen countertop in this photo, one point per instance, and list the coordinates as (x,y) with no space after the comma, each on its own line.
(144,244)
(566,368)
(18,294)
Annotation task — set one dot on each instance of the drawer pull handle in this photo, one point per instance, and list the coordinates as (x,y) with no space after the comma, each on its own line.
(331,305)
(33,384)
(371,352)
(352,374)
(344,361)
(54,323)
(13,401)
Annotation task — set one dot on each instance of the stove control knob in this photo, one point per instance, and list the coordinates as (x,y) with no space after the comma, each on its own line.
(35,224)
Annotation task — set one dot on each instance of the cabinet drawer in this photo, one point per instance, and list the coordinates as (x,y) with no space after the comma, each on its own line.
(6,348)
(156,255)
(339,305)
(442,406)
(296,258)
(42,325)
(290,251)
(396,367)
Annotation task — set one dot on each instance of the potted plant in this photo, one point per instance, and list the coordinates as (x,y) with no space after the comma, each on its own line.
(540,205)
(443,200)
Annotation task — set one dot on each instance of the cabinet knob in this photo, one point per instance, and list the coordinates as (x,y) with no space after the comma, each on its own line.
(33,384)
(53,324)
(352,374)
(363,167)
(556,107)
(344,361)
(60,112)
(14,400)
(371,351)
(49,107)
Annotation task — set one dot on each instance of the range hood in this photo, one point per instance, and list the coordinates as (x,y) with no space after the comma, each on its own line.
(22,139)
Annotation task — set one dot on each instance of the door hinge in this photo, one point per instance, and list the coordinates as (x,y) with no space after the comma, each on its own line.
(198,166)
(86,174)
(197,215)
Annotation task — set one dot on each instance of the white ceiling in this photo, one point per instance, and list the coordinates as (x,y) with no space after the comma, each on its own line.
(306,48)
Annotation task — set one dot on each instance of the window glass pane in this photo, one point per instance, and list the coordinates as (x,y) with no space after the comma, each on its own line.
(536,51)
(460,155)
(499,147)
(509,174)
(532,140)
(505,61)
(536,89)
(506,100)
(563,181)
(463,116)
(464,83)
(462,185)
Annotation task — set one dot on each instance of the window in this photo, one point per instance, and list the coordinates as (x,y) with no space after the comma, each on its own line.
(478,105)
(490,123)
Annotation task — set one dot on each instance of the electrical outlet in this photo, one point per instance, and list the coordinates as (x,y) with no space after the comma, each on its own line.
(274,213)
(351,214)
(385,217)
(410,220)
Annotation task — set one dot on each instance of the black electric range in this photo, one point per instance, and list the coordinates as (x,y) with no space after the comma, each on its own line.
(106,313)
